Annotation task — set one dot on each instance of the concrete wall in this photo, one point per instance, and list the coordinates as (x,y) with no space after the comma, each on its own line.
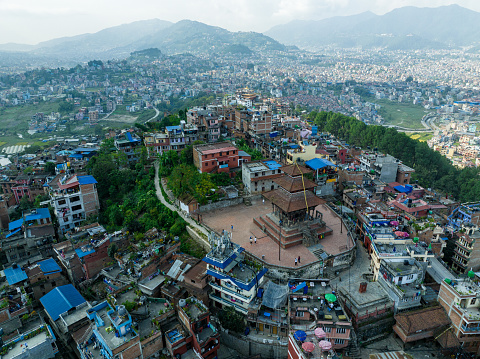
(220,204)
(249,346)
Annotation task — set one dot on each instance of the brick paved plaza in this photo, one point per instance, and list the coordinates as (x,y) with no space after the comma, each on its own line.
(241,217)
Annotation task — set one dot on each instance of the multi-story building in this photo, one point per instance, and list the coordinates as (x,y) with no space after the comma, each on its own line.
(309,308)
(44,276)
(174,138)
(220,157)
(234,281)
(66,311)
(258,176)
(387,168)
(460,298)
(31,237)
(74,199)
(112,332)
(24,185)
(377,230)
(128,144)
(467,250)
(402,280)
(200,336)
(38,342)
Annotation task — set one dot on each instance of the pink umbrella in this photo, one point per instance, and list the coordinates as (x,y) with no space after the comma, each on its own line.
(325,345)
(308,347)
(320,333)
(394,223)
(399,233)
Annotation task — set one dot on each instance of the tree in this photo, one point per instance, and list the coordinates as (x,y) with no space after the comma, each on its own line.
(231,320)
(49,168)
(112,250)
(66,107)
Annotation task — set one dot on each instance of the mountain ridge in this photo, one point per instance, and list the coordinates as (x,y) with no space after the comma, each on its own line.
(443,26)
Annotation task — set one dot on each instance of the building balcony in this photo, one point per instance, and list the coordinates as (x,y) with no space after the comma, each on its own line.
(470,329)
(228,303)
(230,292)
(463,255)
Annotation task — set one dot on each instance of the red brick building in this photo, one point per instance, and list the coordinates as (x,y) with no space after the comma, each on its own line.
(218,157)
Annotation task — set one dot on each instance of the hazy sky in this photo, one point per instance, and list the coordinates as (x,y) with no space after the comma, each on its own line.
(32,21)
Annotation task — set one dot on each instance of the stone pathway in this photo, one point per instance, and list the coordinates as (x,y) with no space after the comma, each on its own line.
(190,221)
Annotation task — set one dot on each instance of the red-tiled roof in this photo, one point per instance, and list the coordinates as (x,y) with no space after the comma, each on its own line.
(425,319)
(291,202)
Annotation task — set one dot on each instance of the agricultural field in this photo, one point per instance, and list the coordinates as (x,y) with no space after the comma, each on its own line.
(422,137)
(15,119)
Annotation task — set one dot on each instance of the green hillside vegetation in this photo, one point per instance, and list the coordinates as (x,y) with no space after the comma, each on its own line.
(128,198)
(237,49)
(431,168)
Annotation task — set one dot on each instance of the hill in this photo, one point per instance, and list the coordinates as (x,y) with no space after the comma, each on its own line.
(405,28)
(121,41)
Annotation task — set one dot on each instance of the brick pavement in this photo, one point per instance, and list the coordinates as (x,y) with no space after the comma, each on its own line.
(241,217)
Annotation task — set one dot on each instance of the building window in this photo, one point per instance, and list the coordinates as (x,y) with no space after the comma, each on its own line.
(266,326)
(300,314)
(61,202)
(341,330)
(327,330)
(77,207)
(339,341)
(472,302)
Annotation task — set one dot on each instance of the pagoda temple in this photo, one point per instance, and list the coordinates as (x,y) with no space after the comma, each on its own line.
(294,218)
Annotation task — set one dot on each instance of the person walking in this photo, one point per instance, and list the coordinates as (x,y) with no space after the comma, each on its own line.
(295,260)
(298,259)
(255,239)
(251,240)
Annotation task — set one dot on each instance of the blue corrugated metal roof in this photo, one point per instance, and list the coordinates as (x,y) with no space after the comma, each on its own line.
(85,149)
(402,189)
(86,180)
(15,224)
(243,153)
(42,213)
(272,165)
(15,275)
(61,300)
(318,163)
(76,155)
(172,128)
(12,233)
(49,266)
(293,145)
(81,253)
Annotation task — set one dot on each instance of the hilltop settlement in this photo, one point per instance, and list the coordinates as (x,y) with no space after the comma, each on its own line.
(236,230)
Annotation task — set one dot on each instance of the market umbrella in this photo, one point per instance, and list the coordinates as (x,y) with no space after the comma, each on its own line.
(308,347)
(399,233)
(320,333)
(300,335)
(325,345)
(330,297)
(394,223)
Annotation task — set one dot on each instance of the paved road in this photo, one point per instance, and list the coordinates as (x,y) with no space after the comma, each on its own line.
(190,221)
(154,117)
(438,272)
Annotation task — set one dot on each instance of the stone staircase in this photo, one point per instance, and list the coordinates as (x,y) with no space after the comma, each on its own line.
(353,349)
(247,199)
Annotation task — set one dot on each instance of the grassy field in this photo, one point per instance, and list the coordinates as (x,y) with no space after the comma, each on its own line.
(401,114)
(15,119)
(422,137)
